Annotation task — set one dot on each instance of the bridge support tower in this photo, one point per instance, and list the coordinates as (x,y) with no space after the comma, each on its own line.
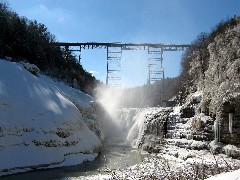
(114,57)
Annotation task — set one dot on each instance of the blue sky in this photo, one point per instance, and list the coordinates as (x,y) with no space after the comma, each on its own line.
(134,21)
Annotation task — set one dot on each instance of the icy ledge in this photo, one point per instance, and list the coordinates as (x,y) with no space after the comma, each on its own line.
(39,125)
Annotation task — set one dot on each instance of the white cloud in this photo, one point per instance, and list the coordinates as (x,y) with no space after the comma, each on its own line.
(93,72)
(61,20)
(42,7)
(43,13)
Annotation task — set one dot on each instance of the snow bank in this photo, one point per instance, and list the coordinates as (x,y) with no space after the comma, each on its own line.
(229,176)
(39,125)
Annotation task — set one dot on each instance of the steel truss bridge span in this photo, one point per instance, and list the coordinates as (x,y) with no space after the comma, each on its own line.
(114,56)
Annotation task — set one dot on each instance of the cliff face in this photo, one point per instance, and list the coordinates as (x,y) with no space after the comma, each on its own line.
(222,83)
(215,73)
(222,78)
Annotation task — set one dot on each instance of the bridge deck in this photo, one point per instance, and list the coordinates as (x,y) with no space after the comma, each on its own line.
(92,45)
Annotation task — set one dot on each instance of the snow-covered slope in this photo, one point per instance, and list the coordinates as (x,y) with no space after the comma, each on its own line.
(39,124)
(229,176)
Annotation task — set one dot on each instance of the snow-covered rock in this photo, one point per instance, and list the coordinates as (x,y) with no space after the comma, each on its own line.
(32,68)
(232,151)
(39,123)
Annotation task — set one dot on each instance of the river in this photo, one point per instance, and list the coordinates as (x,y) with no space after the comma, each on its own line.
(111,157)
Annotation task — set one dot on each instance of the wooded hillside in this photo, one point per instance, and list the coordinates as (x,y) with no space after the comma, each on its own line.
(23,39)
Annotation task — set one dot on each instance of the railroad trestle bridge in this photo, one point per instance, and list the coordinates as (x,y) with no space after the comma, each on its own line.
(114,56)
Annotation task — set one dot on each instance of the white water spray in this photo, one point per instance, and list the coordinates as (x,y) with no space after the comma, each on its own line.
(121,125)
(119,120)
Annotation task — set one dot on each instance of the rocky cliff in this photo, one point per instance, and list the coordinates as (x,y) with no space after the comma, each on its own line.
(214,72)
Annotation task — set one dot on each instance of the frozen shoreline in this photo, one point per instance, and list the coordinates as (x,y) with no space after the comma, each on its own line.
(69,160)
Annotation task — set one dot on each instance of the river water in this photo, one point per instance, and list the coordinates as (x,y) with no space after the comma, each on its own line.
(112,157)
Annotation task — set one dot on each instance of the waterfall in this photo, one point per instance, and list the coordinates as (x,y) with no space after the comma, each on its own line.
(136,131)
(230,122)
(124,126)
(216,130)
